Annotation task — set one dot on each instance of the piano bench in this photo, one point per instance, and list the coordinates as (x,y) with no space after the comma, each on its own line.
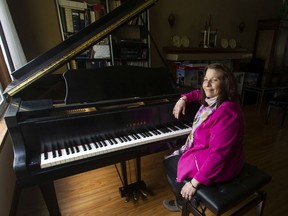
(224,196)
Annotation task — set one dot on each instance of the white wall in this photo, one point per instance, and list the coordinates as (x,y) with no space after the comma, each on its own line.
(7,177)
(226,16)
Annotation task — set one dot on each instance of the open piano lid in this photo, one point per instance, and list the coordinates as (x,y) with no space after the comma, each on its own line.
(76,44)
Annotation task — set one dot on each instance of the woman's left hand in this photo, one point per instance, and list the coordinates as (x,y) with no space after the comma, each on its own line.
(188,191)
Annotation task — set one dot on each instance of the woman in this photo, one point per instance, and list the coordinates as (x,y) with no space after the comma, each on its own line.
(213,151)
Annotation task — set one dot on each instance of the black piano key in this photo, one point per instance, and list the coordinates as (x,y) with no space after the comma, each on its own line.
(133,134)
(156,130)
(94,141)
(101,138)
(144,131)
(67,148)
(126,135)
(148,132)
(45,152)
(164,128)
(72,148)
(167,128)
(100,144)
(161,129)
(153,131)
(108,139)
(172,127)
(123,136)
(75,145)
(119,137)
(140,133)
(88,143)
(176,126)
(187,124)
(54,154)
(59,150)
(84,147)
(113,139)
(83,144)
(180,125)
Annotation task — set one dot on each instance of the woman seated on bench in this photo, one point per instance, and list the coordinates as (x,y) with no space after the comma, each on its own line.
(213,151)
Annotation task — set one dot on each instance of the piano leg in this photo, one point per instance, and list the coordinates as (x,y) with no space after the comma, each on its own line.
(138,169)
(122,190)
(124,173)
(49,195)
(142,185)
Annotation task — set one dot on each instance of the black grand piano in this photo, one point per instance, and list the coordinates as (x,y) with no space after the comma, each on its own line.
(107,116)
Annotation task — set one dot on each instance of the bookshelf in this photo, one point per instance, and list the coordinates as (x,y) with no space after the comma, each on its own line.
(128,45)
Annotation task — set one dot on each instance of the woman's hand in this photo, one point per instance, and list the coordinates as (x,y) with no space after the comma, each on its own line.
(189,189)
(179,107)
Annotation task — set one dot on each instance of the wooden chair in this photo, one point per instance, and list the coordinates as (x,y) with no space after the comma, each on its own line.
(280,102)
(222,197)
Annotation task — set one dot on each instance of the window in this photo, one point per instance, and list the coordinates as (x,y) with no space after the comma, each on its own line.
(11,53)
(3,70)
(2,65)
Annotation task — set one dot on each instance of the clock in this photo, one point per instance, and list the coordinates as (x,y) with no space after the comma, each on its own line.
(176,40)
(185,41)
(232,43)
(224,43)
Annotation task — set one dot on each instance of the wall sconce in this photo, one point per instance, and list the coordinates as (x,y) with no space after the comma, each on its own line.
(171,20)
(241,27)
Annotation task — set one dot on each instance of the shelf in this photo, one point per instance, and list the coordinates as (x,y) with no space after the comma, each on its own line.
(129,43)
(183,54)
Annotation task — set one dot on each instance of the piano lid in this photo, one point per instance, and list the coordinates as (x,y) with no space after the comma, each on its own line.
(76,44)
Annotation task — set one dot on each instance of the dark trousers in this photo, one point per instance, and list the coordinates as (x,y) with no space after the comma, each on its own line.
(170,166)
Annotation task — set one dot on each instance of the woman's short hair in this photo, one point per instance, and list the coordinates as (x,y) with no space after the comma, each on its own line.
(228,86)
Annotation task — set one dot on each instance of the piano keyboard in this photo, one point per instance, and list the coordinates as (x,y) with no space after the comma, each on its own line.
(103,144)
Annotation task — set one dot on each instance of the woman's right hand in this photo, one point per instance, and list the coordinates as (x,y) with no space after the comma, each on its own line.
(179,107)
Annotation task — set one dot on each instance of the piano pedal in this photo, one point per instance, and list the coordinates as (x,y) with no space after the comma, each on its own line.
(133,190)
(143,192)
(127,197)
(135,195)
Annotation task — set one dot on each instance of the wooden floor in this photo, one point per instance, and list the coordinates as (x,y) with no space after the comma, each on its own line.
(96,192)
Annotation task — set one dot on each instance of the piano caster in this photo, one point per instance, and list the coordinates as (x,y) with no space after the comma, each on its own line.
(133,191)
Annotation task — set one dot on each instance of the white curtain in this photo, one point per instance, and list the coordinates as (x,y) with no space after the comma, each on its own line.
(11,36)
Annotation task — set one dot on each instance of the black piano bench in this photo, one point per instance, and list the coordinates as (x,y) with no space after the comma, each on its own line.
(222,197)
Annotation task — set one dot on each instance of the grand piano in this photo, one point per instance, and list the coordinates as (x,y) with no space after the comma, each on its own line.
(107,115)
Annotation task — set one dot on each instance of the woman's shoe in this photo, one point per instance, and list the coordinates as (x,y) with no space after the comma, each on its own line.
(172,205)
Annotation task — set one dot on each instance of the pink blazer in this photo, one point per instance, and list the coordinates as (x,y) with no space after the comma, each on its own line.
(217,153)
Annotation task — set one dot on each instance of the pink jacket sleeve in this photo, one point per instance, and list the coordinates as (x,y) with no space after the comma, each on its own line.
(194,95)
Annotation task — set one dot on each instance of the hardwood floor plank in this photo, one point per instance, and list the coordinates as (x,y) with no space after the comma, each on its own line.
(96,192)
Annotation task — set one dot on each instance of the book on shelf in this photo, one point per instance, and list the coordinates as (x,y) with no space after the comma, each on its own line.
(114,4)
(96,11)
(69,20)
(79,21)
(73,4)
(76,20)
